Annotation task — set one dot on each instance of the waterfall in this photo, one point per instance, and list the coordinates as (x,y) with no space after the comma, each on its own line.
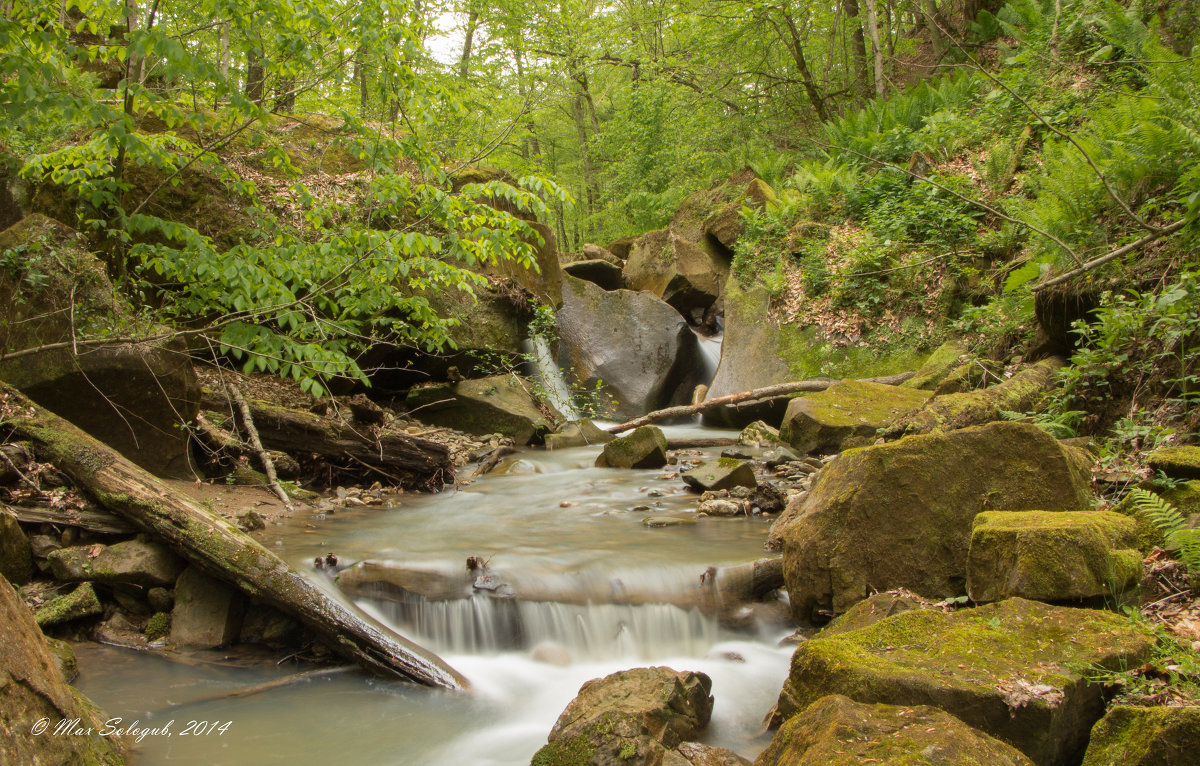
(710,348)
(585,632)
(549,377)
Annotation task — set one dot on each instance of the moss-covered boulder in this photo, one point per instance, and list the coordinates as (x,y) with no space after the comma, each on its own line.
(1012,670)
(578,433)
(629,718)
(635,348)
(76,605)
(837,731)
(1145,736)
(821,422)
(64,658)
(725,224)
(725,473)
(498,404)
(944,360)
(876,607)
(33,688)
(1176,462)
(604,273)
(977,373)
(135,562)
(899,515)
(133,396)
(972,408)
(759,434)
(685,273)
(16,555)
(1052,556)
(644,447)
(1184,496)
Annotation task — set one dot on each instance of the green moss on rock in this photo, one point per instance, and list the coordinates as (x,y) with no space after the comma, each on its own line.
(158,626)
(1052,556)
(823,421)
(837,731)
(1012,669)
(644,447)
(944,360)
(1145,736)
(1176,462)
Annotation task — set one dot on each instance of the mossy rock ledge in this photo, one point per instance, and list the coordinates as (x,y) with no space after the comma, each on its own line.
(837,731)
(1145,736)
(1176,462)
(899,515)
(1052,556)
(628,718)
(944,360)
(1009,669)
(824,421)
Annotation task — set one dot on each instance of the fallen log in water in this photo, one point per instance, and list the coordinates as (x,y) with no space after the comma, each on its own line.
(217,547)
(716,591)
(767,392)
(415,462)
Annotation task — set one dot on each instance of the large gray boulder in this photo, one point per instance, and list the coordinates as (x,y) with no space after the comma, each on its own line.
(133,396)
(629,718)
(899,515)
(639,347)
(207,613)
(1016,670)
(604,273)
(32,689)
(686,273)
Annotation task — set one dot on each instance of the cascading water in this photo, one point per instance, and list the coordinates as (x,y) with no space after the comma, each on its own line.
(568,528)
(549,376)
(710,347)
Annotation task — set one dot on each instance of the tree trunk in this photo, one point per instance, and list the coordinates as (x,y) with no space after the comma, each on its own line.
(413,462)
(796,48)
(256,76)
(858,45)
(285,95)
(464,62)
(218,548)
(876,49)
(937,41)
(767,392)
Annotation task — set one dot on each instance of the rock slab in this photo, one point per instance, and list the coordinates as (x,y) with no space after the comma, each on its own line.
(1145,736)
(644,447)
(207,613)
(1009,669)
(823,421)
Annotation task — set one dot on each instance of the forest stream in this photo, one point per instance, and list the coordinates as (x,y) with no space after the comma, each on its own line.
(513,519)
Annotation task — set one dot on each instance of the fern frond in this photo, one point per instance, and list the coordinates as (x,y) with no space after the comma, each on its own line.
(1179,536)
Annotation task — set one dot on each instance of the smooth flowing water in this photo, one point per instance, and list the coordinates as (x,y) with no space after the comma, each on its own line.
(543,517)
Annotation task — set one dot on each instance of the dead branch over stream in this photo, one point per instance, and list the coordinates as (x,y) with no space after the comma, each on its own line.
(217,547)
(767,392)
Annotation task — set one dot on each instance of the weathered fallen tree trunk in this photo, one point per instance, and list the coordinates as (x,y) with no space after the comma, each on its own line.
(217,547)
(767,392)
(699,443)
(716,591)
(90,521)
(415,462)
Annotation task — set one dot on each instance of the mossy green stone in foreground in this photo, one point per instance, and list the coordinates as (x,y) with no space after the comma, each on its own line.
(837,731)
(1176,462)
(1052,555)
(644,447)
(1145,736)
(79,603)
(1014,670)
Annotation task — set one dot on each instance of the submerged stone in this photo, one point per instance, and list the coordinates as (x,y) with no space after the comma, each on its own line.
(644,447)
(1052,556)
(821,422)
(837,731)
(1014,669)
(1145,736)
(899,515)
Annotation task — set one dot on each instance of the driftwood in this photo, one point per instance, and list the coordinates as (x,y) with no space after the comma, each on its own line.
(767,392)
(414,462)
(90,521)
(717,591)
(699,443)
(266,686)
(256,444)
(218,548)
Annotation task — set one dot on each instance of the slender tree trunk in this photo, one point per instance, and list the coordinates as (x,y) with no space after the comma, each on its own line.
(797,50)
(937,40)
(876,49)
(858,45)
(360,77)
(285,95)
(256,76)
(223,56)
(464,62)
(577,112)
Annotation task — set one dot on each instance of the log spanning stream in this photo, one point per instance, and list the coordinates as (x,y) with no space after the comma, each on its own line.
(546,522)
